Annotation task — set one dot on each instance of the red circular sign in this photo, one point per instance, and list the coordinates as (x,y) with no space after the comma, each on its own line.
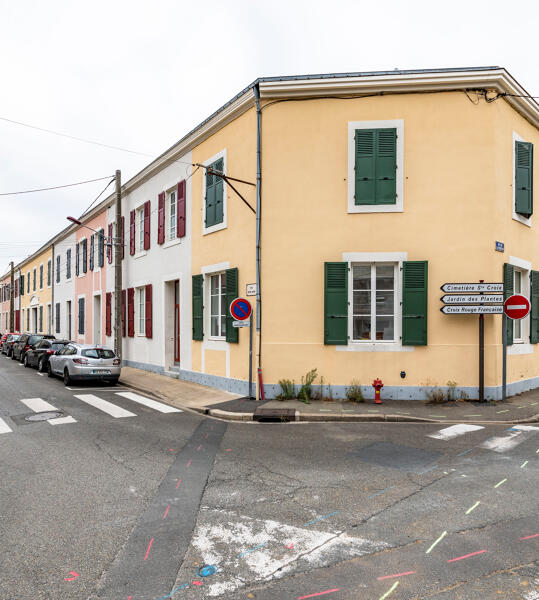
(240,309)
(516,307)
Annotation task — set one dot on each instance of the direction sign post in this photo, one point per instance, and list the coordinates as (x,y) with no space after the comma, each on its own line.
(241,310)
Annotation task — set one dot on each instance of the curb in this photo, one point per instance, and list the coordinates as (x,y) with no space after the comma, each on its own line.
(226,415)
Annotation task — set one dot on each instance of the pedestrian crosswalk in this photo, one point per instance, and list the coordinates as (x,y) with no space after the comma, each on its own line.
(98,405)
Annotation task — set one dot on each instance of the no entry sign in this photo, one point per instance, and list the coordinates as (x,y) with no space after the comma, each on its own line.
(240,309)
(516,307)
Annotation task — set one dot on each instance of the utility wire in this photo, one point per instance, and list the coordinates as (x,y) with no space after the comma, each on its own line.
(56,187)
(99,196)
(73,137)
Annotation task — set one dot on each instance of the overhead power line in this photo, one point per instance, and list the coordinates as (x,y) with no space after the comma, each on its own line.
(56,187)
(73,137)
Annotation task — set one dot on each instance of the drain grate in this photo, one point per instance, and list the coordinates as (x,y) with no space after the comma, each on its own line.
(44,416)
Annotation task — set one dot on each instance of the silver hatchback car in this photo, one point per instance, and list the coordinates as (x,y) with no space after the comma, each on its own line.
(77,362)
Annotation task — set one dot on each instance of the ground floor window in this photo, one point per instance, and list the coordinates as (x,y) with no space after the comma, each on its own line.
(218,305)
(141,294)
(521,286)
(373,302)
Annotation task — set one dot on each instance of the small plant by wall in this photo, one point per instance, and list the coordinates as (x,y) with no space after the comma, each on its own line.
(306,389)
(353,392)
(288,389)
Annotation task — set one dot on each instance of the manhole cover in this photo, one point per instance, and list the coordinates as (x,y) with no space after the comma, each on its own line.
(44,416)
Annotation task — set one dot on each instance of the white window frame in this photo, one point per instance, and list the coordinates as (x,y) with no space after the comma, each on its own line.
(224,224)
(522,345)
(171,193)
(70,266)
(139,228)
(525,221)
(208,277)
(49,272)
(397,124)
(380,345)
(141,310)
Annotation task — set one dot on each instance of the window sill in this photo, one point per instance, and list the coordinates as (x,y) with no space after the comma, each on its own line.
(214,228)
(520,348)
(374,208)
(374,347)
(524,220)
(140,254)
(171,243)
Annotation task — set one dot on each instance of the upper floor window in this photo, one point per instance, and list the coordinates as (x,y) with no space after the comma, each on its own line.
(140,222)
(34,279)
(171,216)
(40,277)
(214,197)
(523,187)
(68,264)
(58,269)
(49,274)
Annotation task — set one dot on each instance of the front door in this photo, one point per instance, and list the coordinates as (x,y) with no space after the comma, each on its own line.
(68,317)
(97,319)
(176,322)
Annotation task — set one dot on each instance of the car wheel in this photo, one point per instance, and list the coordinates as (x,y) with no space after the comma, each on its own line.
(41,366)
(67,378)
(25,361)
(49,370)
(114,381)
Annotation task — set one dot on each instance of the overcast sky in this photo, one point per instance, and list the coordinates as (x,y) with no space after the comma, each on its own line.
(141,74)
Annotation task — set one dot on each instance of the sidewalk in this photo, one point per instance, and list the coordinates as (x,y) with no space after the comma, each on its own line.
(192,396)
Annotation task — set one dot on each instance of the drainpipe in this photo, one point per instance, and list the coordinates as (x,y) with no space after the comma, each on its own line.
(258,210)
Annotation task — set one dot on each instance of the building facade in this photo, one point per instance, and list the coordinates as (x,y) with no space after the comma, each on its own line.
(36,301)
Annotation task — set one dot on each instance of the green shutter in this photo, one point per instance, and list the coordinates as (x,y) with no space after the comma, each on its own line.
(524,178)
(198,308)
(231,294)
(508,290)
(414,303)
(214,195)
(210,200)
(376,166)
(386,166)
(364,166)
(534,313)
(336,303)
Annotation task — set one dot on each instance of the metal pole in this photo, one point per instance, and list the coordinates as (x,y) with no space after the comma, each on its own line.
(251,357)
(118,242)
(504,357)
(481,354)
(12,300)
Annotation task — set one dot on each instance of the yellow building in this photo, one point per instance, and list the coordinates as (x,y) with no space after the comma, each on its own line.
(36,291)
(375,190)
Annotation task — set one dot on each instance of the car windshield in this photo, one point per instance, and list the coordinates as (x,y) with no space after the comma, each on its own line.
(34,339)
(15,337)
(98,353)
(57,347)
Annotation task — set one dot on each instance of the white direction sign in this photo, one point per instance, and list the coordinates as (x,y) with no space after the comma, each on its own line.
(472,287)
(243,323)
(472,299)
(472,310)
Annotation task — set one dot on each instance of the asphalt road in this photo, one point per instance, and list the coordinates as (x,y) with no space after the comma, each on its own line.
(117,500)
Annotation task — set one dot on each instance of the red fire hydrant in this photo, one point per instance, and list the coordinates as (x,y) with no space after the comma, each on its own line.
(377,385)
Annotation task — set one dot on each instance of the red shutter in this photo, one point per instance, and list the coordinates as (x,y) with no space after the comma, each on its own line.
(131,312)
(18,320)
(132,232)
(147,206)
(121,236)
(148,310)
(109,244)
(123,313)
(108,314)
(161,219)
(180,210)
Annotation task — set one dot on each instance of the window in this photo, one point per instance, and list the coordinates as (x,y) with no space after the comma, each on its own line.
(40,319)
(77,259)
(373,303)
(92,251)
(140,219)
(40,277)
(58,269)
(28,282)
(523,189)
(98,353)
(57,317)
(28,315)
(101,247)
(218,305)
(34,282)
(81,316)
(214,196)
(375,166)
(68,264)
(84,245)
(49,273)
(22,285)
(172,216)
(141,292)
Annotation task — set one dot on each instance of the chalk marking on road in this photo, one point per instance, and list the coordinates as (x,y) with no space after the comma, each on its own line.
(159,406)
(471,415)
(182,587)
(464,452)
(439,416)
(4,427)
(380,492)
(436,542)
(389,591)
(529,537)
(512,437)
(524,464)
(319,594)
(75,575)
(324,409)
(111,409)
(199,447)
(537,451)
(502,411)
(206,436)
(373,411)
(500,482)
(472,508)
(178,484)
(166,512)
(320,518)
(454,431)
(148,549)
(533,403)
(252,549)
(196,582)
(189,462)
(427,470)
(466,556)
(396,575)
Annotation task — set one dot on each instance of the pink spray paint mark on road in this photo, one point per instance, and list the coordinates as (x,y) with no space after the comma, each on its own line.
(466,556)
(289,546)
(189,463)
(171,449)
(75,575)
(320,593)
(529,537)
(166,512)
(396,575)
(178,484)
(148,549)
(206,436)
(200,446)
(228,449)
(197,583)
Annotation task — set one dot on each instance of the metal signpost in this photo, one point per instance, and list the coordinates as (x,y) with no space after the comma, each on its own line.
(241,310)
(514,308)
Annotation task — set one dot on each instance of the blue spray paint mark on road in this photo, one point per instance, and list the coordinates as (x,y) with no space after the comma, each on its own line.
(381,492)
(207,570)
(464,452)
(429,469)
(320,518)
(252,549)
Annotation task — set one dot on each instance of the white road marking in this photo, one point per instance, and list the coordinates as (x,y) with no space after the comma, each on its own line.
(4,427)
(40,405)
(41,374)
(511,438)
(454,431)
(111,409)
(164,408)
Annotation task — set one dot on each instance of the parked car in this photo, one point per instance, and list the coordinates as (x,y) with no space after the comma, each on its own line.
(7,346)
(3,338)
(78,362)
(22,345)
(38,355)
